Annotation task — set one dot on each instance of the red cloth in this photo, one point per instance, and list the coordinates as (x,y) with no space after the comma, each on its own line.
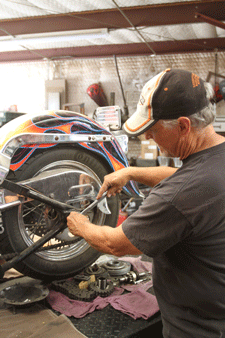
(77,308)
(136,304)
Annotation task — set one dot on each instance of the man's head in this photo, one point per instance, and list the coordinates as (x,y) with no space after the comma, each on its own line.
(171,94)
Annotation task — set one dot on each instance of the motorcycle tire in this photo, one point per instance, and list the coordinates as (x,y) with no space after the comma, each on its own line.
(63,263)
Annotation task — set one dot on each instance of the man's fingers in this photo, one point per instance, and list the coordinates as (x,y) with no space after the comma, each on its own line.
(100,193)
(103,188)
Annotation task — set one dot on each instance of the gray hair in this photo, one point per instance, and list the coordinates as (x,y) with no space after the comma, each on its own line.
(203,118)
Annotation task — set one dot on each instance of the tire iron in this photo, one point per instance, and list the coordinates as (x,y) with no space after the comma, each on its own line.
(93,204)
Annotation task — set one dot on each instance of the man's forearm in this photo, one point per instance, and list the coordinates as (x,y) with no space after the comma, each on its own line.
(96,237)
(149,175)
(103,238)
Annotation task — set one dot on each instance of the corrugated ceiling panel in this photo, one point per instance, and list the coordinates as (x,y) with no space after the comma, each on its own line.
(29,8)
(124,36)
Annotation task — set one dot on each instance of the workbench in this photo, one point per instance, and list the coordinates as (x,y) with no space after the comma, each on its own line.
(110,323)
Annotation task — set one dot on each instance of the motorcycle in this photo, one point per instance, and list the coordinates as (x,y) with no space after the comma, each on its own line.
(50,164)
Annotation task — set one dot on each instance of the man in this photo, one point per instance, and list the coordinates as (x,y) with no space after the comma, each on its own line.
(181,224)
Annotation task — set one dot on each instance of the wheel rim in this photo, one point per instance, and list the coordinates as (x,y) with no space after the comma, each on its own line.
(31,232)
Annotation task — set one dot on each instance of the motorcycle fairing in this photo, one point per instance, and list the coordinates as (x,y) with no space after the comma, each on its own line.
(21,137)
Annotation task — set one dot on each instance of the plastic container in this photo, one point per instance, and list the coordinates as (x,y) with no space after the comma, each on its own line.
(163,160)
(122,217)
(177,162)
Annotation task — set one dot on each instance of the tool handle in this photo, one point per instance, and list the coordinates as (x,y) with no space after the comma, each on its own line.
(93,204)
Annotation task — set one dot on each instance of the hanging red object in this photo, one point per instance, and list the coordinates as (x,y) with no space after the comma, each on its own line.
(97,94)
(218,94)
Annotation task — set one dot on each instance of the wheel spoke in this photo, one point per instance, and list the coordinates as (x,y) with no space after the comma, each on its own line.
(32,209)
(37,218)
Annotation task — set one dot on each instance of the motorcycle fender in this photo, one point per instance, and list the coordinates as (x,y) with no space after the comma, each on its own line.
(21,137)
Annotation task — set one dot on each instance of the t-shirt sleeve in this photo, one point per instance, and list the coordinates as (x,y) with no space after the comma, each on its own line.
(156,226)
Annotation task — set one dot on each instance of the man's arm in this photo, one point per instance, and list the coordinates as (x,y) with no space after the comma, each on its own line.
(150,176)
(102,238)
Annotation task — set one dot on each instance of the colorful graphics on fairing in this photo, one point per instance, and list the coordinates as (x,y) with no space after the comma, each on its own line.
(68,123)
(63,122)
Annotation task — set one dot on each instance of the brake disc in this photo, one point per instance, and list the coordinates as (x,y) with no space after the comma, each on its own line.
(117,267)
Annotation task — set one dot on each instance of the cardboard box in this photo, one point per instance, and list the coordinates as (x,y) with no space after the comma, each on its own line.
(149,150)
(141,137)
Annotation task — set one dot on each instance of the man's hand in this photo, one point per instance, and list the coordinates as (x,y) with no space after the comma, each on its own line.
(75,222)
(83,180)
(114,182)
(102,238)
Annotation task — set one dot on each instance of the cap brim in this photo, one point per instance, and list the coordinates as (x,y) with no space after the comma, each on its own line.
(137,125)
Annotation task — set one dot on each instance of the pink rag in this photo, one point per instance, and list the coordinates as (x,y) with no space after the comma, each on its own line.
(77,308)
(137,304)
(137,263)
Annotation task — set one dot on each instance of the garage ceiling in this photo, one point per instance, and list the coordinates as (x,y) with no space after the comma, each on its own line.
(55,29)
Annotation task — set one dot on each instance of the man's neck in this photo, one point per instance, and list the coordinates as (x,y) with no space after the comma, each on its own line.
(201,140)
(207,138)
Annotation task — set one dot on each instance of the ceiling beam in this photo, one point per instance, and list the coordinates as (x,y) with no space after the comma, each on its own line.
(150,15)
(164,47)
(211,21)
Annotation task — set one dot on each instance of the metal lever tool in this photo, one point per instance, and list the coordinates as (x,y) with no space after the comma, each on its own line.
(93,204)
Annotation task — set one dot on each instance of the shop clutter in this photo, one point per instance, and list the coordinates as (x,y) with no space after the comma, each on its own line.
(124,284)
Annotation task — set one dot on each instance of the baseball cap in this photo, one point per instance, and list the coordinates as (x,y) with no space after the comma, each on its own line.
(169,95)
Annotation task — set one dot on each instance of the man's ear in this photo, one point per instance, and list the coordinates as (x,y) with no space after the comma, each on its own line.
(184,125)
(147,134)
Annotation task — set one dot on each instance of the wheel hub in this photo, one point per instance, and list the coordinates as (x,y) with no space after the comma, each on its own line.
(68,182)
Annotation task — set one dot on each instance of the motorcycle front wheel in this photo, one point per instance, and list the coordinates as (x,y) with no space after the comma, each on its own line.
(58,259)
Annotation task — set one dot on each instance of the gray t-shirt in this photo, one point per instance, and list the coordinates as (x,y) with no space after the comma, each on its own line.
(181,224)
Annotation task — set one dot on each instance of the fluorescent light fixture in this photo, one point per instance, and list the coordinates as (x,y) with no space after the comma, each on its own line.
(53,37)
